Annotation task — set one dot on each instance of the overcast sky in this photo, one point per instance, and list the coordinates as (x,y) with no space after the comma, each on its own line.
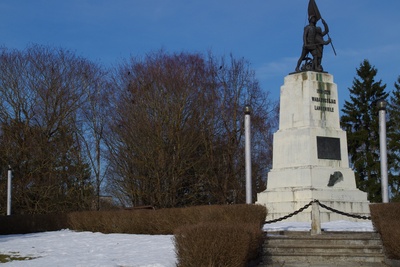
(266,33)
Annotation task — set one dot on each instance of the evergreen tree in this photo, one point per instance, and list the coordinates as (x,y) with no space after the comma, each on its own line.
(393,142)
(360,121)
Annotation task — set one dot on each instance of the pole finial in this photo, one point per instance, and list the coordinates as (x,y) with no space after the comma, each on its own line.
(247,110)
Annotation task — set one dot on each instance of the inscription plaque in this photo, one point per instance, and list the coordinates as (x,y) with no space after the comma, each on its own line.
(328,148)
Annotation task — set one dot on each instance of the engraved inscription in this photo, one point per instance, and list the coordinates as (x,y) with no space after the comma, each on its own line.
(323,101)
(322,91)
(330,109)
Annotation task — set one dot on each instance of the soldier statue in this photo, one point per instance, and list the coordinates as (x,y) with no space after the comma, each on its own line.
(313,41)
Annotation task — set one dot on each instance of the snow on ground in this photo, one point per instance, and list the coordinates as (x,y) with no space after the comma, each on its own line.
(328,226)
(86,249)
(69,248)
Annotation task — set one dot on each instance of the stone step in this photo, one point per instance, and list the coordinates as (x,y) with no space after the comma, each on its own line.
(324,257)
(325,234)
(303,249)
(325,249)
(362,242)
(323,242)
(327,264)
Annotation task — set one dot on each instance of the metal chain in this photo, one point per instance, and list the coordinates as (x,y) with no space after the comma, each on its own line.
(291,214)
(322,205)
(343,213)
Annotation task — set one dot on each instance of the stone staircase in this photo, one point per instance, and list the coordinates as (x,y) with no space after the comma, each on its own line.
(287,249)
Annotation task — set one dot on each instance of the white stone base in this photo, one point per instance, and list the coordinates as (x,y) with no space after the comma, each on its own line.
(310,177)
(283,201)
(306,152)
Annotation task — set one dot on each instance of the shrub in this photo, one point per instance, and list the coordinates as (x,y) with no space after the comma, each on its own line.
(217,244)
(385,218)
(220,235)
(164,221)
(128,222)
(232,213)
(23,224)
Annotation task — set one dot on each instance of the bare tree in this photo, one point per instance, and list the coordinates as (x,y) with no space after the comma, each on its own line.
(94,114)
(157,128)
(178,133)
(41,91)
(237,87)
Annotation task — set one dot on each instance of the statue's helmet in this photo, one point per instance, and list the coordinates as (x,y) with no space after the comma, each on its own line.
(311,17)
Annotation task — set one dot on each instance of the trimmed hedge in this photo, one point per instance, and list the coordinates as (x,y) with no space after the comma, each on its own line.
(24,224)
(163,221)
(385,218)
(220,235)
(218,244)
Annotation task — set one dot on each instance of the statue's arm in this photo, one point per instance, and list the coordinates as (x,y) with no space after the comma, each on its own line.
(326,28)
(305,36)
(327,41)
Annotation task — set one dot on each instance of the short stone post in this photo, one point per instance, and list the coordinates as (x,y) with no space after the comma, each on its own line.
(315,219)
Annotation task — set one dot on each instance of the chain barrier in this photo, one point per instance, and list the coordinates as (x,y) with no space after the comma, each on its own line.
(291,214)
(342,212)
(322,205)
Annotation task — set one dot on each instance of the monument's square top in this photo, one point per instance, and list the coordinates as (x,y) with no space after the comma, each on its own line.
(309,99)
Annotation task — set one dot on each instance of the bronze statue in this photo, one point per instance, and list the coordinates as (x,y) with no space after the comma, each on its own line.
(313,41)
(320,42)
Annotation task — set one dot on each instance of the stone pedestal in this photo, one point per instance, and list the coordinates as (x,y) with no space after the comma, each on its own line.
(310,159)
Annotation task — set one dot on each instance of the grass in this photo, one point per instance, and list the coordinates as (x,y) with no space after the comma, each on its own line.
(13,256)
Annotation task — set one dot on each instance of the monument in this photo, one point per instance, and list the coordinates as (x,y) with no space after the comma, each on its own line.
(310,158)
